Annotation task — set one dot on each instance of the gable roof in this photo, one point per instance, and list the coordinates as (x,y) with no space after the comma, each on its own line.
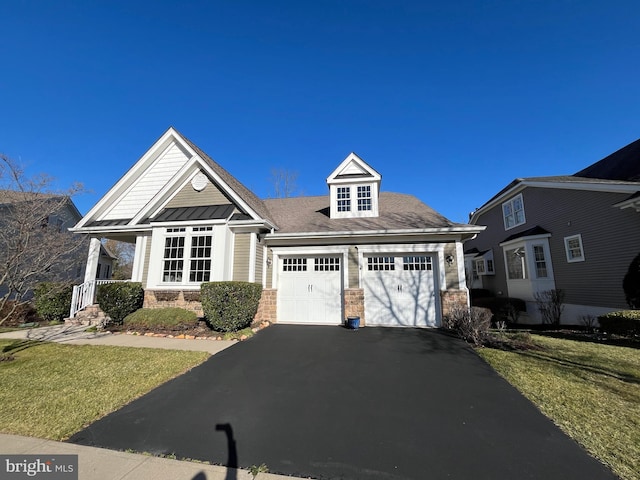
(306,215)
(103,215)
(353,167)
(624,164)
(13,197)
(247,195)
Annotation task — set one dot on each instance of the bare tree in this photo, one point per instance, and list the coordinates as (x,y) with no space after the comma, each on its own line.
(284,182)
(124,253)
(35,245)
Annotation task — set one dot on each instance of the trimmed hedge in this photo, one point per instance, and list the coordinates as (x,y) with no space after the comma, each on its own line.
(53,300)
(170,319)
(624,322)
(120,299)
(230,306)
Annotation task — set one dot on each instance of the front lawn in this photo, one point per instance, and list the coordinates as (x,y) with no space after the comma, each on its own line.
(52,391)
(592,391)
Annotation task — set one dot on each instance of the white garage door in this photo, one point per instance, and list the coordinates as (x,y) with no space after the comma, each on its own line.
(310,290)
(400,290)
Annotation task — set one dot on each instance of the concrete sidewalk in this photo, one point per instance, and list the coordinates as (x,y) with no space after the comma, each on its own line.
(77,334)
(101,464)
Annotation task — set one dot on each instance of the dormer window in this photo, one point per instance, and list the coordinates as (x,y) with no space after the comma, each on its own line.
(344,199)
(354,188)
(364,197)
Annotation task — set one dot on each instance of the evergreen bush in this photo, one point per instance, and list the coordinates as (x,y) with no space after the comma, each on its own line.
(631,284)
(53,300)
(120,299)
(230,306)
(624,322)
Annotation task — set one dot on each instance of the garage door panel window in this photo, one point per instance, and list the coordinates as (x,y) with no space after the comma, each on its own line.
(327,264)
(294,264)
(417,263)
(381,263)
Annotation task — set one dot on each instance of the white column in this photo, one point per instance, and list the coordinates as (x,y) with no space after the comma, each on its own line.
(138,259)
(92,260)
(252,256)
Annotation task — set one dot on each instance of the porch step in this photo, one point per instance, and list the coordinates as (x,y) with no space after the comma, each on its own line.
(90,316)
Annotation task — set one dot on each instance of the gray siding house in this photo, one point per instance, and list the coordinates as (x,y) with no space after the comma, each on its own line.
(577,233)
(385,257)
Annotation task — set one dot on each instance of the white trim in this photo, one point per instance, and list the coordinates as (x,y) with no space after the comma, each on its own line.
(138,258)
(253,242)
(567,239)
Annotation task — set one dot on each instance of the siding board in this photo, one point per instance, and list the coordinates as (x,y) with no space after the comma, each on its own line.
(188,197)
(242,247)
(610,238)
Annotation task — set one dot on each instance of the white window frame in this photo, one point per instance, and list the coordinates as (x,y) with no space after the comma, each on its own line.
(189,234)
(505,216)
(351,202)
(567,249)
(539,263)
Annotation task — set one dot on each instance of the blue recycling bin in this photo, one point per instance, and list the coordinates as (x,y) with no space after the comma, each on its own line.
(353,323)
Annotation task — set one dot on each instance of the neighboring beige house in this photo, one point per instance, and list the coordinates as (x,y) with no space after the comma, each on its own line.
(385,257)
(577,233)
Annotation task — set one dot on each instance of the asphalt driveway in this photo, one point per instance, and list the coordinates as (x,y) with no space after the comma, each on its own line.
(330,403)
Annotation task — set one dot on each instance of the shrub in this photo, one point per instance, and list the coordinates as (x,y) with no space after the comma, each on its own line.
(631,284)
(120,299)
(169,319)
(230,306)
(53,300)
(472,325)
(504,309)
(550,305)
(624,322)
(22,313)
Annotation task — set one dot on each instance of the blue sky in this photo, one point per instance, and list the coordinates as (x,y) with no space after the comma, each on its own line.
(448,100)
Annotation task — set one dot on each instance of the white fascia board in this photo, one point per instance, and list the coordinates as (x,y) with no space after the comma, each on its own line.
(455,231)
(111,229)
(249,226)
(352,157)
(627,187)
(526,238)
(128,179)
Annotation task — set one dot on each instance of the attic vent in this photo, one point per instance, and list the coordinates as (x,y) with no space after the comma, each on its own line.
(199,182)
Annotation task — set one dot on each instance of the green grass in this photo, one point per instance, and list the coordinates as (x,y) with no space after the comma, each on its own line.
(591,391)
(52,391)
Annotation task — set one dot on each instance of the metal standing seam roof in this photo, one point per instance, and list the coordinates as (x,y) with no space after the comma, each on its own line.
(184,214)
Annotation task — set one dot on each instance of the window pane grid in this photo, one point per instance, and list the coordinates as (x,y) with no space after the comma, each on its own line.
(294,264)
(416,263)
(344,199)
(381,263)
(364,198)
(541,264)
(200,265)
(516,264)
(173,263)
(327,264)
(513,212)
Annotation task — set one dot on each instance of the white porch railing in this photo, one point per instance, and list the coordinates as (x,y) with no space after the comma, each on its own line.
(85,295)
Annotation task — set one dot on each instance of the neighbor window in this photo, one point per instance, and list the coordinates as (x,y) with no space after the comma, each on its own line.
(513,212)
(541,264)
(516,267)
(480,267)
(574,249)
(344,199)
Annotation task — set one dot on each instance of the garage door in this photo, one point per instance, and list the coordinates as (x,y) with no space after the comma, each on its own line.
(310,290)
(400,290)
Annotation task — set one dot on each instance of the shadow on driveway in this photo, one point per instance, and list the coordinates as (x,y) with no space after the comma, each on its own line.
(331,403)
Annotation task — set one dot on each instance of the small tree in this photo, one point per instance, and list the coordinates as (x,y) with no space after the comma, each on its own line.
(631,284)
(35,245)
(124,253)
(550,305)
(284,182)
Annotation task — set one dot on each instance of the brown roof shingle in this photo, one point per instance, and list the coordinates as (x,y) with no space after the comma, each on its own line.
(311,214)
